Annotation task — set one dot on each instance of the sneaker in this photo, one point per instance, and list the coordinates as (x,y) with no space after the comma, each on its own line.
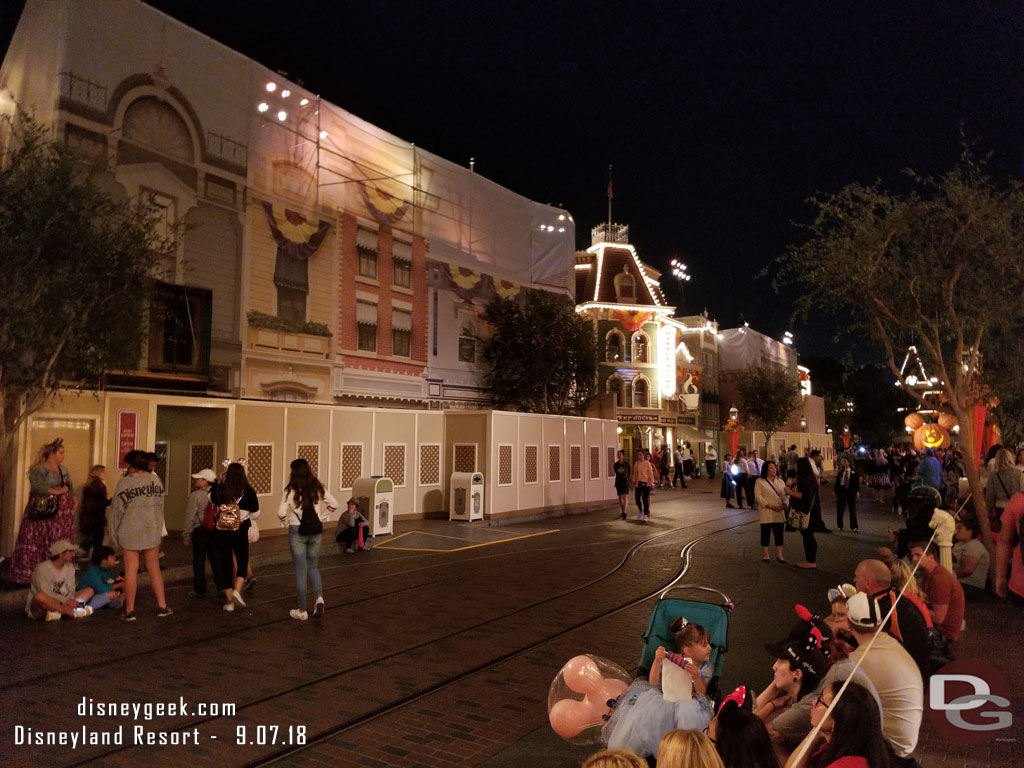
(295,613)
(126,616)
(82,611)
(247,584)
(622,516)
(193,593)
(229,607)
(364,548)
(349,550)
(53,615)
(318,608)
(237,596)
(163,612)
(854,529)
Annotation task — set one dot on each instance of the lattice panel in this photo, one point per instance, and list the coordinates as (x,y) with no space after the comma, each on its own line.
(162,451)
(530,464)
(311,453)
(351,464)
(504,465)
(430,464)
(595,462)
(259,462)
(465,458)
(611,461)
(200,458)
(554,463)
(394,463)
(575,462)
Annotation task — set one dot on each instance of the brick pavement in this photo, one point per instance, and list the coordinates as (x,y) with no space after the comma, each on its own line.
(402,622)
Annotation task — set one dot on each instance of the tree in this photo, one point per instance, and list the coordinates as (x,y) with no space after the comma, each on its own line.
(1003,360)
(75,267)
(940,266)
(541,356)
(770,394)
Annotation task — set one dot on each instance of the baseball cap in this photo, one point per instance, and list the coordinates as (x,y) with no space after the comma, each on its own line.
(205,474)
(61,545)
(862,611)
(801,654)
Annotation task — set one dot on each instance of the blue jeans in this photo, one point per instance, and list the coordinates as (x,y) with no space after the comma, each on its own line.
(306,557)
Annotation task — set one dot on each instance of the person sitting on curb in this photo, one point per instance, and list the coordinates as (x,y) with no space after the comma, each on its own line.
(353,528)
(99,585)
(906,624)
(51,593)
(945,595)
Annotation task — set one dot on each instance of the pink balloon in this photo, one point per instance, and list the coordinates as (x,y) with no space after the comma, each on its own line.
(568,717)
(582,675)
(613,688)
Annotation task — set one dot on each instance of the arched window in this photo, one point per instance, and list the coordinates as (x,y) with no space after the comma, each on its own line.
(641,393)
(157,125)
(640,344)
(615,386)
(625,286)
(615,345)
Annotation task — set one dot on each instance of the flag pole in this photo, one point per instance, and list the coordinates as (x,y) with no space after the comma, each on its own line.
(609,199)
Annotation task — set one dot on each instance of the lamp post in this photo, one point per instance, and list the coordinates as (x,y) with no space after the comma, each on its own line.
(803,423)
(679,273)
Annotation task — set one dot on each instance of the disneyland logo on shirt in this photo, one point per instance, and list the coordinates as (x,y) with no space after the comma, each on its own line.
(153,489)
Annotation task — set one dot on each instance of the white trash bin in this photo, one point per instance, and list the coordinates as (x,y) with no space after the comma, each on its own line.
(376,497)
(467,496)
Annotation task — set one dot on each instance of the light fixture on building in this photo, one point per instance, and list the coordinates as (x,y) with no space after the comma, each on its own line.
(618,430)
(271,87)
(285,93)
(787,338)
(803,423)
(304,102)
(734,413)
(323,134)
(911,380)
(282,115)
(263,106)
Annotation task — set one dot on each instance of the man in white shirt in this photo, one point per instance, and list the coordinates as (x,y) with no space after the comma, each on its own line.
(893,673)
(754,465)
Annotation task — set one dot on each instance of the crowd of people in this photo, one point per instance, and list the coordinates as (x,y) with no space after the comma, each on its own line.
(220,524)
(661,468)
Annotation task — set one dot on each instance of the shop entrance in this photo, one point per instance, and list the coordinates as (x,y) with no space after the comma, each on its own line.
(187,440)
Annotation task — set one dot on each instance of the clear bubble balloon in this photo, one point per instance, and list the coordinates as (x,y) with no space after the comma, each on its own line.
(579,694)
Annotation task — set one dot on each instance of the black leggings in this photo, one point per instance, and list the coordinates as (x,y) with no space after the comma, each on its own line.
(775,529)
(228,543)
(810,545)
(643,498)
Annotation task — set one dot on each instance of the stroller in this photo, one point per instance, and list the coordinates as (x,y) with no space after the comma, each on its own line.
(713,616)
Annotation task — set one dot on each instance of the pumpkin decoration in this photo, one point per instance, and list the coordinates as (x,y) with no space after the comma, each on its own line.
(947,420)
(914,420)
(931,436)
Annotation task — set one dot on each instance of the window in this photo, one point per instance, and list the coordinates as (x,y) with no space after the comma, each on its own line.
(641,393)
(614,343)
(291,304)
(625,285)
(615,387)
(165,210)
(640,347)
(401,332)
(467,346)
(178,329)
(366,247)
(366,321)
(402,274)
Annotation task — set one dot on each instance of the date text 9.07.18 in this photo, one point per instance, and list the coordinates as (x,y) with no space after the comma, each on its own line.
(263,735)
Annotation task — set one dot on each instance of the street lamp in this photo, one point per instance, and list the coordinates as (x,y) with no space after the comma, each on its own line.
(803,423)
(679,273)
(734,413)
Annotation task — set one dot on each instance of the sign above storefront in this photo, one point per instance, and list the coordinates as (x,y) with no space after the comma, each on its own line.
(633,418)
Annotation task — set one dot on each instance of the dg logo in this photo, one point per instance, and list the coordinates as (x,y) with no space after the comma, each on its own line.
(969,702)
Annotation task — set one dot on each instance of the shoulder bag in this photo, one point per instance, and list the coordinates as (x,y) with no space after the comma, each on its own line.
(797,518)
(43,506)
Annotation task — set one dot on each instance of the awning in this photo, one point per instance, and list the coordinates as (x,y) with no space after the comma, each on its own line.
(366,238)
(401,250)
(400,320)
(692,434)
(366,313)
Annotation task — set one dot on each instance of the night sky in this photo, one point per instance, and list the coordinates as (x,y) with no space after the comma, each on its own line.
(720,118)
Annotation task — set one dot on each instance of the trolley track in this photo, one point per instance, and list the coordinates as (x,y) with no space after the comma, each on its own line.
(381,711)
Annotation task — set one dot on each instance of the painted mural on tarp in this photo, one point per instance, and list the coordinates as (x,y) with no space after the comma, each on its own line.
(297,238)
(472,286)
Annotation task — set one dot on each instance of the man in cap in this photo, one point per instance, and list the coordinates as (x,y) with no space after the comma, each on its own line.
(51,594)
(195,533)
(892,671)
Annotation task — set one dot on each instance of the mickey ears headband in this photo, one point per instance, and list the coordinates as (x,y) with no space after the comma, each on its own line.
(229,462)
(738,696)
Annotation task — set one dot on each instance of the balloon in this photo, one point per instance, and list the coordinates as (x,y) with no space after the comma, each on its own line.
(568,717)
(613,688)
(582,675)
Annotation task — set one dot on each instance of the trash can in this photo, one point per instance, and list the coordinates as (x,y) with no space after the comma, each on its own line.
(376,497)
(467,496)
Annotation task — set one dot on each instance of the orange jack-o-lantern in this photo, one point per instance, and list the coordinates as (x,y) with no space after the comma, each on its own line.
(947,420)
(931,436)
(914,420)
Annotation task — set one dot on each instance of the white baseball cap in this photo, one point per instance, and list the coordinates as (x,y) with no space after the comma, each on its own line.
(205,474)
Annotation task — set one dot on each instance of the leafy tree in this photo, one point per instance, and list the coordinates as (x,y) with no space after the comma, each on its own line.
(940,266)
(1003,361)
(541,356)
(75,263)
(770,394)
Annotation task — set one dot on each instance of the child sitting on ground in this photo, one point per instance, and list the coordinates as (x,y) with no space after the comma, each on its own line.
(694,646)
(99,586)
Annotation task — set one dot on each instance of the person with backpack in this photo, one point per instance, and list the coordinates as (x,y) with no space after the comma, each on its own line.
(304,509)
(237,506)
(200,515)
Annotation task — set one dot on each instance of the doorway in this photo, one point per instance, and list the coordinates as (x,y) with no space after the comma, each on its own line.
(187,440)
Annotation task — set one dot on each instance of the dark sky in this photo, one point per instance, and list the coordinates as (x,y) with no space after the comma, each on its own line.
(720,118)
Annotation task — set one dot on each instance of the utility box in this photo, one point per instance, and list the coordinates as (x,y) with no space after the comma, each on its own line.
(376,498)
(467,496)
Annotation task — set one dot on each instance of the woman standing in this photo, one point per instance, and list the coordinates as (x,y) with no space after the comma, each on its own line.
(92,520)
(49,517)
(136,524)
(771,499)
(806,494)
(643,481)
(622,475)
(233,491)
(1003,482)
(305,508)
(851,737)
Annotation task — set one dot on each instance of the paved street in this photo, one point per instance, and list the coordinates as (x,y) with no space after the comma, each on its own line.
(438,646)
